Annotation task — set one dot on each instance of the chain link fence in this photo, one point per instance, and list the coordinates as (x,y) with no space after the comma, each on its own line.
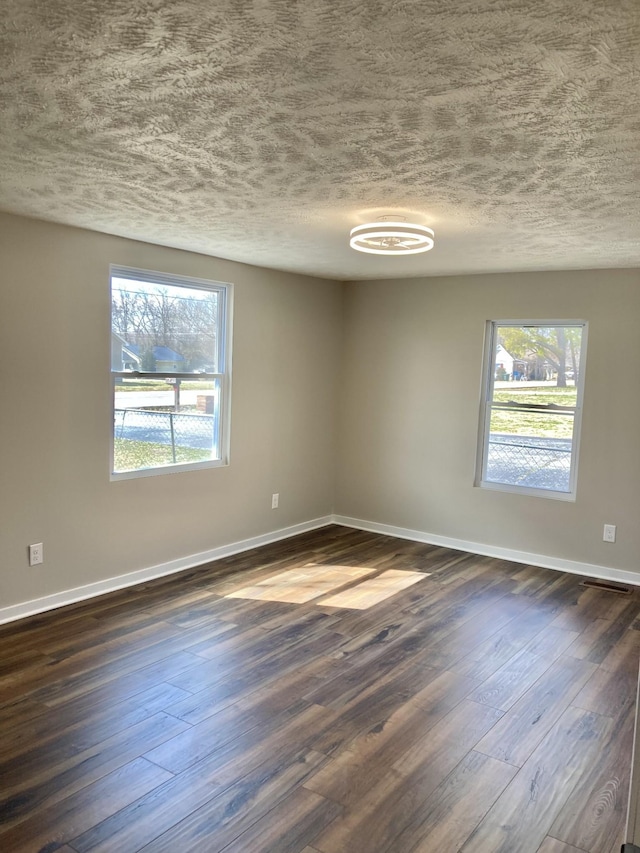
(543,463)
(174,429)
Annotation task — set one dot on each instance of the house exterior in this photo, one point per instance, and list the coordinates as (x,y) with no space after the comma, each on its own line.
(165,359)
(123,355)
(168,359)
(504,363)
(508,367)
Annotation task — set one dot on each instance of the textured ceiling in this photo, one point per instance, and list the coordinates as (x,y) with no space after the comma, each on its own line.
(263,130)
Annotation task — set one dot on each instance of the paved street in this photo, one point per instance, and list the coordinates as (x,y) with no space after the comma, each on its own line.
(140,399)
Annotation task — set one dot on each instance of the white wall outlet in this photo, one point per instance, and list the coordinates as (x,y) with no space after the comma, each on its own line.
(36,554)
(609,533)
(275,500)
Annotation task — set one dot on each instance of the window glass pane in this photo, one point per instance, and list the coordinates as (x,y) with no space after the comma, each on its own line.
(531,449)
(169,340)
(546,358)
(160,422)
(532,406)
(163,327)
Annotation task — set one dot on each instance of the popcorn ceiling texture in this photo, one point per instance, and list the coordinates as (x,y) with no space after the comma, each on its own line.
(263,130)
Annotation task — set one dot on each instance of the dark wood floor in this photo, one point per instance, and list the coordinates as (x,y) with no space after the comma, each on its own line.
(487,707)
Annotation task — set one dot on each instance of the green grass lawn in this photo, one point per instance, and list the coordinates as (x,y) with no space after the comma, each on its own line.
(543,394)
(544,424)
(130,455)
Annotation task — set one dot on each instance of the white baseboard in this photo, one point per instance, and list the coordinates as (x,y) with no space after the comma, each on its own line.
(59,599)
(544,562)
(80,593)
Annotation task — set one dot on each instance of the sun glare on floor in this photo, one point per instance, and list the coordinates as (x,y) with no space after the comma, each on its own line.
(350,587)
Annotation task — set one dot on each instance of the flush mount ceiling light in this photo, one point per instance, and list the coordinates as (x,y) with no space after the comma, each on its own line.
(391,238)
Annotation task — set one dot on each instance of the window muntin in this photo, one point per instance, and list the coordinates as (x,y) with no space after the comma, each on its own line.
(531,408)
(170,339)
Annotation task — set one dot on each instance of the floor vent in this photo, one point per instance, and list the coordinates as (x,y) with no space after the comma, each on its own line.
(609,586)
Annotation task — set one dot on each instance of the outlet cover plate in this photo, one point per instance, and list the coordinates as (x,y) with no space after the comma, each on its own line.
(36,554)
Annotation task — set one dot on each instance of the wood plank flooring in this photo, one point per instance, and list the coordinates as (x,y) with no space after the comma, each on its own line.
(416,700)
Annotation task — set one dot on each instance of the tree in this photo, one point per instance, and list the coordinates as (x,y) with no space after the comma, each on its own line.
(179,318)
(148,361)
(539,344)
(126,310)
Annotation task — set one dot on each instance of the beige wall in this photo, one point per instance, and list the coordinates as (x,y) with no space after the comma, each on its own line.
(379,423)
(55,413)
(410,402)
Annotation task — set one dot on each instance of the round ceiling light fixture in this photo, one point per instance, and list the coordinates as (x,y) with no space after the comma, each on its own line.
(391,238)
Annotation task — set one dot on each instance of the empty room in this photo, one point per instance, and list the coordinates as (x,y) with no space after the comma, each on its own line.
(319,452)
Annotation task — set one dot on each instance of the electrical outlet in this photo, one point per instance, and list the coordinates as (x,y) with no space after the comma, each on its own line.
(275,500)
(609,533)
(36,554)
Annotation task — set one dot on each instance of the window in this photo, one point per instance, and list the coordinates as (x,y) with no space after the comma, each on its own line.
(170,346)
(531,407)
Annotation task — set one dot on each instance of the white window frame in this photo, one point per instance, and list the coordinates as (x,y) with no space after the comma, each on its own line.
(488,378)
(224,368)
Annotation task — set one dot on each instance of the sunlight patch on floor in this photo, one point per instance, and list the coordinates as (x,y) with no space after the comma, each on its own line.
(374,590)
(349,587)
(297,586)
